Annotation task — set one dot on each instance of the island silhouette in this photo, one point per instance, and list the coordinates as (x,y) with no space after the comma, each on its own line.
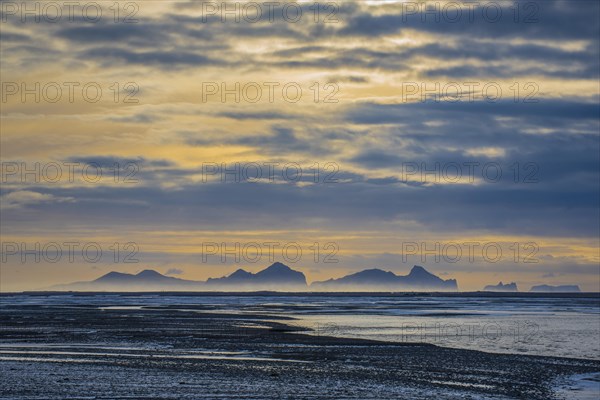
(277,277)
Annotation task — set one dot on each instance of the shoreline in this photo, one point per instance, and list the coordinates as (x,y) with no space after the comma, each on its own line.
(148,352)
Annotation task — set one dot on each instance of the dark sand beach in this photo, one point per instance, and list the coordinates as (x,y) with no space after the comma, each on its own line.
(99,351)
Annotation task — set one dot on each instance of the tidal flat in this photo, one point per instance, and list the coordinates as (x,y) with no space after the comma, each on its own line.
(124,347)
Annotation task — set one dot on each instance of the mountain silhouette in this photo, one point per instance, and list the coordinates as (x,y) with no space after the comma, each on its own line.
(376,279)
(274,276)
(556,289)
(367,277)
(145,280)
(500,287)
(238,276)
(146,276)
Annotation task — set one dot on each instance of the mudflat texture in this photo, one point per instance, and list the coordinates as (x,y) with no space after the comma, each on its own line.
(188,352)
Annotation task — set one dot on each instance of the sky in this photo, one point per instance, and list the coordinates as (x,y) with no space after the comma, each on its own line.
(196,138)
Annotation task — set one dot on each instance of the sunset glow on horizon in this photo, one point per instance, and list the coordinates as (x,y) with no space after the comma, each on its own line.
(331,137)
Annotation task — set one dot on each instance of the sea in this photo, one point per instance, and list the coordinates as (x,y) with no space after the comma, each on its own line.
(565,325)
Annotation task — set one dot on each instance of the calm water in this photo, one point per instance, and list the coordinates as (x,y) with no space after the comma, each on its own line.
(566,326)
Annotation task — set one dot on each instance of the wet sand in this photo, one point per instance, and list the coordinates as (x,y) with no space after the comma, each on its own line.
(187,352)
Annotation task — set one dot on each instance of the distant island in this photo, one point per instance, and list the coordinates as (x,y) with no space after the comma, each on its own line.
(276,277)
(555,289)
(512,287)
(500,287)
(280,277)
(377,280)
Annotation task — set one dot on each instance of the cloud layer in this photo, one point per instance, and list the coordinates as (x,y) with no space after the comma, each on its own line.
(406,121)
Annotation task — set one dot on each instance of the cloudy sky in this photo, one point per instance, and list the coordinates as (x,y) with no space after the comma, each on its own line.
(380,132)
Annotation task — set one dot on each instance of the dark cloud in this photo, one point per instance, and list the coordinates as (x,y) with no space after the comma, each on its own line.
(163,59)
(543,211)
(136,119)
(282,141)
(263,115)
(548,19)
(174,271)
(13,37)
(491,72)
(190,41)
(106,162)
(564,153)
(371,113)
(114,33)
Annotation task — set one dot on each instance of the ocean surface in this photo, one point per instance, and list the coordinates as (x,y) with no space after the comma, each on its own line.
(563,326)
